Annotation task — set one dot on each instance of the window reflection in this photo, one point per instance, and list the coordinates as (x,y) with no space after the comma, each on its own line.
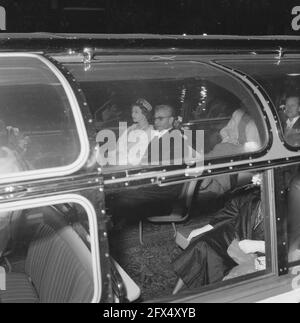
(197,98)
(37,128)
(281,80)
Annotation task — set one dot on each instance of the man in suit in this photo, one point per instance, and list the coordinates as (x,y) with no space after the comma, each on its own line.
(292,112)
(292,124)
(168,145)
(134,204)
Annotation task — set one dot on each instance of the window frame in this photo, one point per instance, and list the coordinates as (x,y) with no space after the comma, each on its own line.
(79,122)
(159,174)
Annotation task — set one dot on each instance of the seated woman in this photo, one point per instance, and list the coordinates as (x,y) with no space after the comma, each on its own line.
(140,133)
(239,136)
(133,141)
(206,260)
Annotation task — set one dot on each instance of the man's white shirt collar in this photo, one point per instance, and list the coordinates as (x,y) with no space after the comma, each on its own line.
(159,134)
(290,123)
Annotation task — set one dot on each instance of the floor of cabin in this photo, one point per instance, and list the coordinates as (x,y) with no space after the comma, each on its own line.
(150,265)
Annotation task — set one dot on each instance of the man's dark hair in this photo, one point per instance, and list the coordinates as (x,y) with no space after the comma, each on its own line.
(293,95)
(168,107)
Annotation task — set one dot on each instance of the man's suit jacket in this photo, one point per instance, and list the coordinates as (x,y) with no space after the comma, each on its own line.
(166,149)
(296,126)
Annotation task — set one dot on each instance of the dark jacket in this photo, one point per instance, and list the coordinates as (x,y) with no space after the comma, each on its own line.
(168,148)
(206,260)
(296,126)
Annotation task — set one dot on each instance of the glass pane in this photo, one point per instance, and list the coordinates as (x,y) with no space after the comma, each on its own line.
(281,80)
(46,255)
(135,105)
(219,236)
(293,212)
(37,127)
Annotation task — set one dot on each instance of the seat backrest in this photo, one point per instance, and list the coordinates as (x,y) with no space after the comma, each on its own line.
(60,265)
(181,207)
(187,193)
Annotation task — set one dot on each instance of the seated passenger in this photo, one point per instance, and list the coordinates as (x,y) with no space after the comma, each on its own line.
(132,143)
(141,116)
(146,201)
(169,145)
(239,136)
(292,124)
(206,259)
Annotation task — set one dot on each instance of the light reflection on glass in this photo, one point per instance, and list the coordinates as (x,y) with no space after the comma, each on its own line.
(183,94)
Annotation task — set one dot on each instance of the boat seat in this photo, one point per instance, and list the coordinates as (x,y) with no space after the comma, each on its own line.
(58,268)
(180,211)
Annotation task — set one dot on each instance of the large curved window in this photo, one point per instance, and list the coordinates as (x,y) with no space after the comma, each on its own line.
(214,115)
(38,128)
(281,80)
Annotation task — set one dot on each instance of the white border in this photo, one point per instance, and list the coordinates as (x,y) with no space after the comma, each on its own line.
(93,226)
(83,138)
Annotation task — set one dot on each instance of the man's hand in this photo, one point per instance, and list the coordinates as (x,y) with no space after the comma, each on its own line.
(252,246)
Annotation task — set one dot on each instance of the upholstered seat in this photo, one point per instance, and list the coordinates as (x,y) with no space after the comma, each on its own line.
(58,269)
(19,289)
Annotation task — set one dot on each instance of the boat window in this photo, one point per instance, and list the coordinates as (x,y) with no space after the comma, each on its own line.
(221,233)
(39,132)
(288,181)
(281,80)
(47,253)
(207,113)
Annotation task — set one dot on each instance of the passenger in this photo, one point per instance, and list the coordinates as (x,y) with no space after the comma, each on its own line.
(292,124)
(292,112)
(153,200)
(239,136)
(206,260)
(169,145)
(141,116)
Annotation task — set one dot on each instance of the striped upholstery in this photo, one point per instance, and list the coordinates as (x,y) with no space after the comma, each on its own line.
(18,290)
(68,275)
(58,264)
(38,254)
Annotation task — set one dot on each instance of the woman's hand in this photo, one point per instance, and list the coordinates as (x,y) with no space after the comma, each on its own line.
(252,246)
